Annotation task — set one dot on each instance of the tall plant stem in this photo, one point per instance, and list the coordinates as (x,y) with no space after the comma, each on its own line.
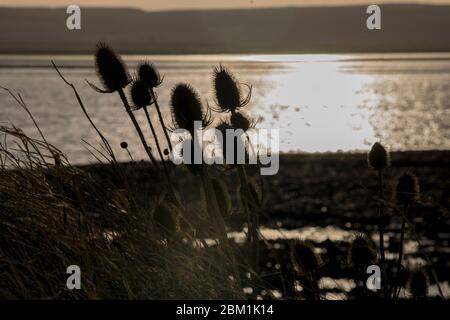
(219,223)
(138,128)
(400,251)
(161,120)
(214,211)
(381,230)
(156,140)
(252,218)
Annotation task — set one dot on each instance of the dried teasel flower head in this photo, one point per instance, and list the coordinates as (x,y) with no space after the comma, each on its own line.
(149,75)
(304,258)
(362,252)
(140,94)
(110,69)
(419,283)
(378,158)
(227,91)
(240,121)
(232,140)
(407,190)
(186,108)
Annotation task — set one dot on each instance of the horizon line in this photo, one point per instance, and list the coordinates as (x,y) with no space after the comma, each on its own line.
(300,6)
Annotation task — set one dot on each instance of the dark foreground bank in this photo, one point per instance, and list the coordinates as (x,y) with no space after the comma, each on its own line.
(327,199)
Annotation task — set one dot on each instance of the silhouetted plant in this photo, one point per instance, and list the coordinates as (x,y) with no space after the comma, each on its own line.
(378,159)
(229,98)
(152,78)
(306,263)
(240,121)
(362,252)
(187,109)
(124,145)
(114,76)
(406,194)
(419,283)
(111,69)
(141,98)
(149,75)
(407,190)
(228,93)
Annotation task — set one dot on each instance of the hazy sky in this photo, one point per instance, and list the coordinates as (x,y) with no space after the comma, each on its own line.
(202,4)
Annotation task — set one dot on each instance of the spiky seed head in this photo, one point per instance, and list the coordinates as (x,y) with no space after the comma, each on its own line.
(223,197)
(304,258)
(227,91)
(110,68)
(362,252)
(378,158)
(240,121)
(166,220)
(407,190)
(186,107)
(419,283)
(140,94)
(149,75)
(124,144)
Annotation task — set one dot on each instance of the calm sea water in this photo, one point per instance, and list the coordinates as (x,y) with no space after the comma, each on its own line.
(319,103)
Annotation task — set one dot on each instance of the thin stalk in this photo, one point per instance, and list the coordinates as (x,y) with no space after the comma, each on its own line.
(156,140)
(252,220)
(402,240)
(381,230)
(102,137)
(214,211)
(161,120)
(137,127)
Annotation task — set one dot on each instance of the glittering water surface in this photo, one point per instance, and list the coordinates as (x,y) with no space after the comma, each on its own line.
(318,102)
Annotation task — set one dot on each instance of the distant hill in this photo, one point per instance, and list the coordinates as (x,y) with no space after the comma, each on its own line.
(283,30)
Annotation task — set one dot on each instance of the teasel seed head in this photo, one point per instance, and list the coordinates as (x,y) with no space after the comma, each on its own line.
(140,95)
(124,145)
(240,121)
(149,75)
(227,91)
(378,158)
(187,108)
(111,69)
(362,252)
(419,283)
(407,190)
(223,197)
(303,257)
